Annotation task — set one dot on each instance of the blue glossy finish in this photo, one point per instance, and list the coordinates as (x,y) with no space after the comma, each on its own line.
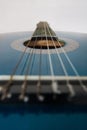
(9,56)
(43,117)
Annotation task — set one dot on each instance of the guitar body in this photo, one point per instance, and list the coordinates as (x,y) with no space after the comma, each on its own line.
(75,48)
(10,54)
(64,106)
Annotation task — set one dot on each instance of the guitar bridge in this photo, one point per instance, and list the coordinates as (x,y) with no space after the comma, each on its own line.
(58,91)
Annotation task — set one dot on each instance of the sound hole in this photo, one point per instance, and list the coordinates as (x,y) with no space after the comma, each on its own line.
(41,42)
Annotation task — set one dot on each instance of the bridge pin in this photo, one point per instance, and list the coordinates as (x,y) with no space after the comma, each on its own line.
(26,99)
(9,95)
(41,98)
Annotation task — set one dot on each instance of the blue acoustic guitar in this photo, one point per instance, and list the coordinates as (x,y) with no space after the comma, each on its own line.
(43,67)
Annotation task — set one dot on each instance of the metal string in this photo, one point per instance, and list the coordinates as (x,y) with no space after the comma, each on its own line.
(24,85)
(39,81)
(73,67)
(19,61)
(54,84)
(8,85)
(62,64)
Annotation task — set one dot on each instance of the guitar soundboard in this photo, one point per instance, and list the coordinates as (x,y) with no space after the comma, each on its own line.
(41,75)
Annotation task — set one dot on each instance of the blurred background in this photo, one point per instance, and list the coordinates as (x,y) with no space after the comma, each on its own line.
(62,15)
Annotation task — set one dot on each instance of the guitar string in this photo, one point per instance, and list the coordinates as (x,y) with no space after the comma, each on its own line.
(54,84)
(27,57)
(39,81)
(8,85)
(24,85)
(32,51)
(20,59)
(25,64)
(62,64)
(49,55)
(33,61)
(72,66)
(51,67)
